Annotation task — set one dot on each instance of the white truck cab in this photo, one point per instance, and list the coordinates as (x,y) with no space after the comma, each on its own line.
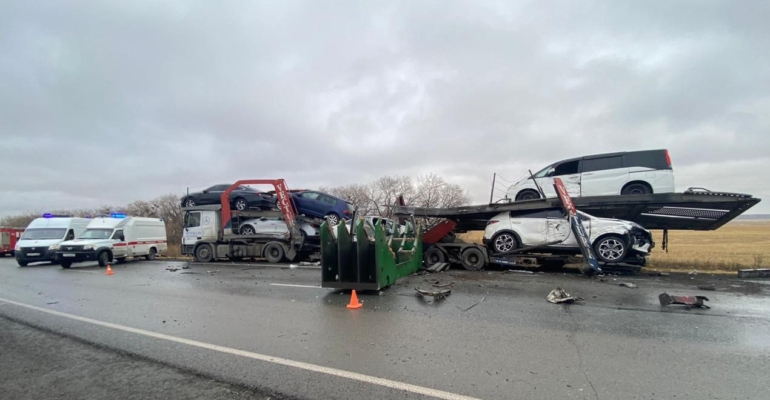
(115,237)
(43,236)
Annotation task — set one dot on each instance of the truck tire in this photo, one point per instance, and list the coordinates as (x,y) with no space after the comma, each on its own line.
(204,253)
(473,259)
(433,256)
(151,255)
(274,252)
(66,264)
(104,258)
(611,248)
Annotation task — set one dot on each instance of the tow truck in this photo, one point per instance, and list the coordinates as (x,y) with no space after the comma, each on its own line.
(211,232)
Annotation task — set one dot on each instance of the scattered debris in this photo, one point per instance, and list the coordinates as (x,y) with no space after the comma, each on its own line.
(693,272)
(438,267)
(172,269)
(518,271)
(658,273)
(628,285)
(707,287)
(436,294)
(754,273)
(187,273)
(560,296)
(690,301)
(307,263)
(442,285)
(213,271)
(53,302)
(293,266)
(186,267)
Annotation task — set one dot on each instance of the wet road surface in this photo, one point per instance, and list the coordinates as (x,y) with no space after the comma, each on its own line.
(618,344)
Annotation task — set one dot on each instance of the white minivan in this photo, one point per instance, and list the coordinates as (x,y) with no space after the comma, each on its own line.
(115,237)
(43,236)
(626,173)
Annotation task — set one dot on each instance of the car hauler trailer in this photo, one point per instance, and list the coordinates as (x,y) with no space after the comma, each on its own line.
(695,209)
(211,232)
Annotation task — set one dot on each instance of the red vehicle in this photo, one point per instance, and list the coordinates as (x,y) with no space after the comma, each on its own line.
(8,239)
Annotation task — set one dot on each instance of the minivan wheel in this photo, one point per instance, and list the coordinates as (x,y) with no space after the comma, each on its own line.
(611,249)
(527,195)
(333,218)
(189,202)
(636,188)
(504,242)
(241,204)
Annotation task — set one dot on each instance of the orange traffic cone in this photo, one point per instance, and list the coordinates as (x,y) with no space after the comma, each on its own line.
(354,304)
(109,270)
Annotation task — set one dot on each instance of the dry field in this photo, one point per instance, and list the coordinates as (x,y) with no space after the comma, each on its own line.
(736,245)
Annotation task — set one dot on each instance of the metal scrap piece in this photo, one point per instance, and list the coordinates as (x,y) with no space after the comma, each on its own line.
(628,285)
(558,296)
(689,301)
(436,294)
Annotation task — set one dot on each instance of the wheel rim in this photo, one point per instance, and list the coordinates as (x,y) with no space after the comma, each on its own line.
(204,253)
(274,253)
(637,190)
(240,205)
(333,219)
(434,258)
(611,249)
(247,231)
(504,243)
(473,259)
(189,203)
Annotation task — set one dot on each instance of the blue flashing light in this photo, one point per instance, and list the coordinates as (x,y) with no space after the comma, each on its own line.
(117,215)
(47,215)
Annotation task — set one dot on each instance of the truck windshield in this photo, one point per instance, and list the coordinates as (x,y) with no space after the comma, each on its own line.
(44,233)
(96,234)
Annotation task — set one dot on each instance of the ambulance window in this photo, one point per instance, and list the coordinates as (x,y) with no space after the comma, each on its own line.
(70,235)
(118,233)
(192,220)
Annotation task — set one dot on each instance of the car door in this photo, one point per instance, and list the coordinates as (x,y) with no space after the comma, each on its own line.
(603,176)
(192,228)
(558,229)
(308,204)
(119,246)
(327,204)
(569,172)
(530,226)
(213,195)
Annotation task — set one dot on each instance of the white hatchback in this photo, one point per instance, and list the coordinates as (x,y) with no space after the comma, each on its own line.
(628,173)
(549,231)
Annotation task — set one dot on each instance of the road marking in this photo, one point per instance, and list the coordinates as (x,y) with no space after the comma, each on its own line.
(406,387)
(289,285)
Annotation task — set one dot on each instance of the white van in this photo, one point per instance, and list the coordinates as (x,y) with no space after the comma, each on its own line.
(43,236)
(627,173)
(115,237)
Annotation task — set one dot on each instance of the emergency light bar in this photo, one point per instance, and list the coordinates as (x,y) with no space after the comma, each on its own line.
(49,215)
(117,215)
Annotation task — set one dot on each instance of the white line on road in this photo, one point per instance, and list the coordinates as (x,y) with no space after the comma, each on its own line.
(289,285)
(407,387)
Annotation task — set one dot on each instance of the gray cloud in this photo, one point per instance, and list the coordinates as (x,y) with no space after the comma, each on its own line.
(107,102)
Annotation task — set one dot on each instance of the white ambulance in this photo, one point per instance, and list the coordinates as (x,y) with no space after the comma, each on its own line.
(43,236)
(115,237)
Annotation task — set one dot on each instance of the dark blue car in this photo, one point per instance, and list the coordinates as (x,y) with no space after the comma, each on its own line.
(241,198)
(321,205)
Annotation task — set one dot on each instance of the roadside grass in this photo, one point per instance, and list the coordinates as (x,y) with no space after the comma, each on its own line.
(737,245)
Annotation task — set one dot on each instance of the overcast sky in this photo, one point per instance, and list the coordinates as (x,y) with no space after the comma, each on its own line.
(107,102)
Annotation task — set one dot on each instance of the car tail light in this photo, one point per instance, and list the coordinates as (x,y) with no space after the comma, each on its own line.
(346,212)
(668,159)
(494,221)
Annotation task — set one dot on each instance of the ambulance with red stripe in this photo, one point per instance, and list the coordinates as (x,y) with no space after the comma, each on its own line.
(115,237)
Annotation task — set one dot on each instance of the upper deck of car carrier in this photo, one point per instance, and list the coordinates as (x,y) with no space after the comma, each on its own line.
(694,209)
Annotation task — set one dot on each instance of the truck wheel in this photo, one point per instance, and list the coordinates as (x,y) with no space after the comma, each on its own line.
(66,264)
(104,259)
(473,259)
(433,256)
(151,255)
(204,253)
(611,248)
(274,253)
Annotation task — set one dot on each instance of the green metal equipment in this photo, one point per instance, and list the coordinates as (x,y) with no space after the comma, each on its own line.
(370,260)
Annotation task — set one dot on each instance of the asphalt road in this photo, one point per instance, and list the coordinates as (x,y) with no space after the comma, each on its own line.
(271,329)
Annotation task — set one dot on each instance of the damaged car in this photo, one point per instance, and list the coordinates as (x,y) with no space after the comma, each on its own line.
(549,230)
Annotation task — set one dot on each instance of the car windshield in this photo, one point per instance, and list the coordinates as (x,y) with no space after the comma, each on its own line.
(96,234)
(585,216)
(543,172)
(43,233)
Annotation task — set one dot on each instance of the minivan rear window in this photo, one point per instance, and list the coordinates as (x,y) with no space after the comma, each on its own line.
(654,159)
(603,163)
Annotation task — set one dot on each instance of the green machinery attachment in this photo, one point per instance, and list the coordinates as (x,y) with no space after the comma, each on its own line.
(370,260)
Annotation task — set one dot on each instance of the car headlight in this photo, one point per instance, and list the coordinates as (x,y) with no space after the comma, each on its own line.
(17,248)
(88,247)
(53,247)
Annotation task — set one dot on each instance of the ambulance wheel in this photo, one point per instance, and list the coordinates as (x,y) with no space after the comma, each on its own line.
(204,253)
(151,255)
(274,253)
(104,259)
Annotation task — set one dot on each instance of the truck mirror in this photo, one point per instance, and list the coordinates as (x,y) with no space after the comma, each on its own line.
(122,238)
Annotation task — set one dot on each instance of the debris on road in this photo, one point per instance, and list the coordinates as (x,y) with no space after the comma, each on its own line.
(293,266)
(754,273)
(690,301)
(628,285)
(435,294)
(186,267)
(438,267)
(658,273)
(53,302)
(558,296)
(308,263)
(518,271)
(707,287)
(442,285)
(172,269)
(213,271)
